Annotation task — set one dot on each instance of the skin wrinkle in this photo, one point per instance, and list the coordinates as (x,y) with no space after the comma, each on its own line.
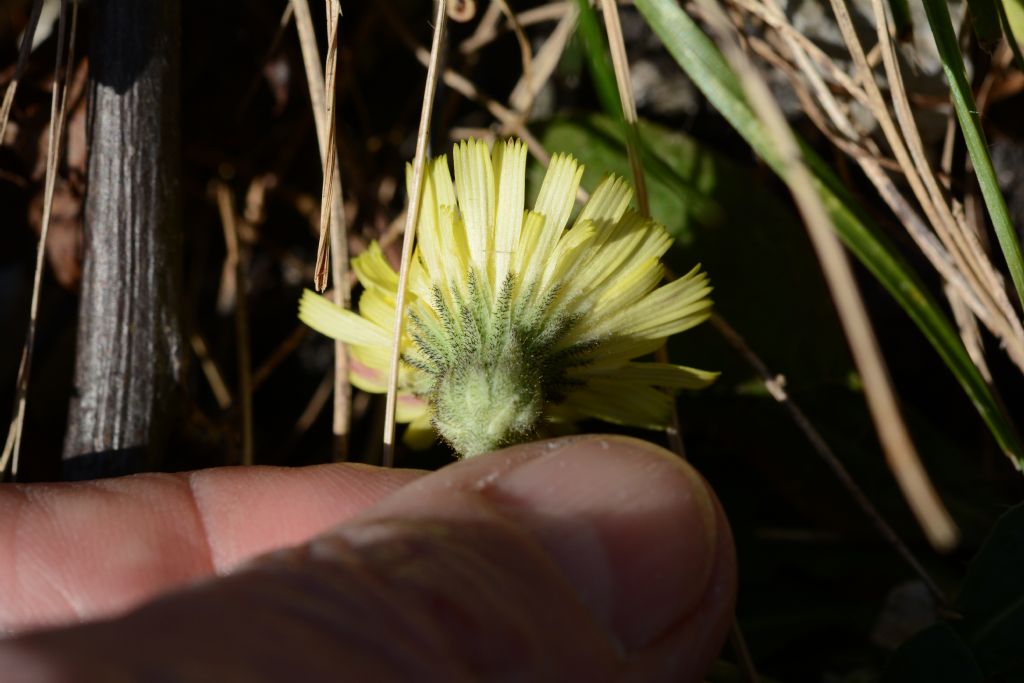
(226,500)
(201,520)
(437,571)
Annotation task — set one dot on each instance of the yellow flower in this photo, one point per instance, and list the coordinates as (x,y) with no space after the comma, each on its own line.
(512,319)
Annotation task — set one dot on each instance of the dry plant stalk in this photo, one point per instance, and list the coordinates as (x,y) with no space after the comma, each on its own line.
(544,62)
(333,244)
(620,64)
(58,114)
(944,235)
(411,220)
(19,69)
(896,442)
(235,265)
(511,122)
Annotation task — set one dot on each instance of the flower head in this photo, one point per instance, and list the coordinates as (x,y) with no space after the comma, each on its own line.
(512,319)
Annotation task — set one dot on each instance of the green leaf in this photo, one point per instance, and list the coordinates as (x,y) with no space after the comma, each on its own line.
(985,21)
(970,124)
(701,60)
(992,599)
(935,655)
(681,175)
(984,644)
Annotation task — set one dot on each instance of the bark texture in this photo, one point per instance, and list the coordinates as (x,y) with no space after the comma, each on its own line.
(129,348)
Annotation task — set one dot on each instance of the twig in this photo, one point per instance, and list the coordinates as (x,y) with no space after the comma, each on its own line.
(775,384)
(283,350)
(233,261)
(316,404)
(412,219)
(210,370)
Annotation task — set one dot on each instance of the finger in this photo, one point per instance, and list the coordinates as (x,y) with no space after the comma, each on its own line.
(79,551)
(577,560)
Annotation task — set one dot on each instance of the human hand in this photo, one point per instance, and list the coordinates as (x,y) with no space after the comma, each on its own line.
(595,558)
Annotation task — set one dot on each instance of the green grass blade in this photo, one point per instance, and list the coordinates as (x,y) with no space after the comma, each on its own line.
(985,21)
(901,19)
(598,60)
(970,124)
(704,64)
(1011,13)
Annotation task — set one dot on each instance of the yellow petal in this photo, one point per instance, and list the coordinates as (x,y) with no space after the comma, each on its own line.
(373,269)
(628,288)
(378,306)
(625,403)
(526,263)
(555,201)
(409,408)
(328,318)
(609,201)
(667,310)
(666,375)
(510,177)
(634,243)
(420,433)
(474,178)
(433,226)
(566,257)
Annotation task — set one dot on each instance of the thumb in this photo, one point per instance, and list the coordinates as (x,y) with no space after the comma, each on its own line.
(591,558)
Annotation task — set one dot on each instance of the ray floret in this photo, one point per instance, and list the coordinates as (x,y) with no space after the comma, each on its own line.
(516,318)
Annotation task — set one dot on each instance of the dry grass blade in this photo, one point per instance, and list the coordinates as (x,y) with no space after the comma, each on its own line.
(525,53)
(412,218)
(210,370)
(487,30)
(620,63)
(906,146)
(58,114)
(321,94)
(510,121)
(330,154)
(893,434)
(234,262)
(19,70)
(869,158)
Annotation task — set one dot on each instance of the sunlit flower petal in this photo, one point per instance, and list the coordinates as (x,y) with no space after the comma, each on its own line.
(514,320)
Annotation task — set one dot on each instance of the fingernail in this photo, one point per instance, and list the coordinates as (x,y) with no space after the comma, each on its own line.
(631,526)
